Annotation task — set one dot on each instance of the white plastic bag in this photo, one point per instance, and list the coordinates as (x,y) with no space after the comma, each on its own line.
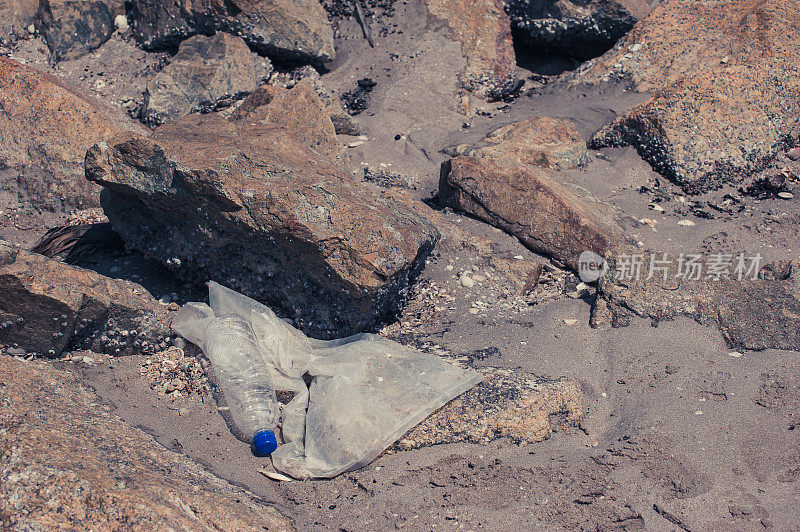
(365,393)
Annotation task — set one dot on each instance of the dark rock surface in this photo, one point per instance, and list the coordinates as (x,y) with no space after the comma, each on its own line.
(73,28)
(205,70)
(48,306)
(577,28)
(46,127)
(284,29)
(248,204)
(67,460)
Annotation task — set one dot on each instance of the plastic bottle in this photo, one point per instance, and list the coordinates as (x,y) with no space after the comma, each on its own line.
(245,380)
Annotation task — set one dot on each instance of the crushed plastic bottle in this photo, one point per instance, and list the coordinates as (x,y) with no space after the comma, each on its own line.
(245,380)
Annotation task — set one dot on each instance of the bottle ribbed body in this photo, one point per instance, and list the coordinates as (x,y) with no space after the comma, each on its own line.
(244,378)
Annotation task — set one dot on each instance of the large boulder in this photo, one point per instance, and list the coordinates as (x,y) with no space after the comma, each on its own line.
(283,29)
(541,141)
(250,204)
(46,127)
(49,306)
(726,80)
(73,28)
(15,17)
(531,203)
(66,459)
(205,70)
(484,32)
(577,28)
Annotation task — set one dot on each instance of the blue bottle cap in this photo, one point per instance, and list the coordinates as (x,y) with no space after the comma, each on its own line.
(265,442)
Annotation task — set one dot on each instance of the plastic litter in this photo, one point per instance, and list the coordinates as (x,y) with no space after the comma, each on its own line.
(365,391)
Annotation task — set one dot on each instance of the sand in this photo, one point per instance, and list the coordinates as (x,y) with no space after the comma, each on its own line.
(678,434)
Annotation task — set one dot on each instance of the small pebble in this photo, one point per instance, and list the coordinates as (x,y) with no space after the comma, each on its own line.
(355,144)
(570,321)
(785,195)
(686,223)
(88,360)
(121,22)
(734,354)
(466,281)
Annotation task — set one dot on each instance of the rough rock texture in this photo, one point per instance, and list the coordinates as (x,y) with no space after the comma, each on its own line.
(506,404)
(542,141)
(727,89)
(15,17)
(205,70)
(530,203)
(48,306)
(73,28)
(249,204)
(343,122)
(578,28)
(67,462)
(284,29)
(483,29)
(759,313)
(299,111)
(46,127)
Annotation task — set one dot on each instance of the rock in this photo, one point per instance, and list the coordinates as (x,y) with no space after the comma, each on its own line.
(205,70)
(532,204)
(577,28)
(247,203)
(710,122)
(48,307)
(67,459)
(298,110)
(343,122)
(760,313)
(73,28)
(542,141)
(15,17)
(483,29)
(283,29)
(46,128)
(506,404)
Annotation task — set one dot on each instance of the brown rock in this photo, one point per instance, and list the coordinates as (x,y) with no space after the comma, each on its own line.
(577,28)
(248,203)
(532,204)
(542,141)
(284,29)
(205,70)
(298,110)
(506,404)
(752,313)
(726,82)
(483,29)
(46,127)
(48,306)
(66,459)
(15,17)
